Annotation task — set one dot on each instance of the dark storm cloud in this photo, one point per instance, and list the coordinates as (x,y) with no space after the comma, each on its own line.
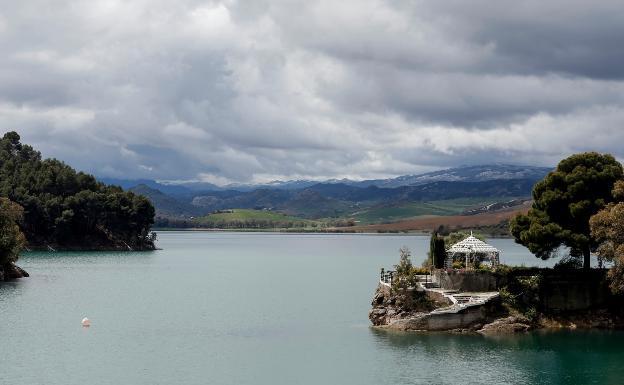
(253,91)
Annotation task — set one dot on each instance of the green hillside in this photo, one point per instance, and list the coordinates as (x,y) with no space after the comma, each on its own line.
(167,206)
(382,214)
(251,219)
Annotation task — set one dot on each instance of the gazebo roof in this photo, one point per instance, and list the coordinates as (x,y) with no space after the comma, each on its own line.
(472,245)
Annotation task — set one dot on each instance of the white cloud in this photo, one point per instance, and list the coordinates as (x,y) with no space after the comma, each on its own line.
(60,118)
(240,91)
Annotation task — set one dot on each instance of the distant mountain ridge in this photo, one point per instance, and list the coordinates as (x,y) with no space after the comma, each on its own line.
(478,173)
(341,198)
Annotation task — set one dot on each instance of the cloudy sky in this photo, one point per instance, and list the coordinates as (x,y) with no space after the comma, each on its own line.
(259,90)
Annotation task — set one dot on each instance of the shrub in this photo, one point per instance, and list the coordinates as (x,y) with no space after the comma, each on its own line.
(530,313)
(420,271)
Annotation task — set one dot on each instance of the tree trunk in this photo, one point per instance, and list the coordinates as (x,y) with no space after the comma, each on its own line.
(586,258)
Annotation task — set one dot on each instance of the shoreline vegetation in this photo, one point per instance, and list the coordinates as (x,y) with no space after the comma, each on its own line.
(47,205)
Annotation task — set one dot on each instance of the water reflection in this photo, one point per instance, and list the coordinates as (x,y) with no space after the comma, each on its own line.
(10,288)
(47,256)
(563,357)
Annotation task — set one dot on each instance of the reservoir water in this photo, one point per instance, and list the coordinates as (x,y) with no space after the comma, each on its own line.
(249,308)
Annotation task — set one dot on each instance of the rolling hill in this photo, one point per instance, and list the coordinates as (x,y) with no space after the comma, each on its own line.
(335,200)
(483,220)
(166,205)
(461,191)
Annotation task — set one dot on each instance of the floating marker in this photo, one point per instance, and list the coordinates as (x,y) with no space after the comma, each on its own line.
(85,322)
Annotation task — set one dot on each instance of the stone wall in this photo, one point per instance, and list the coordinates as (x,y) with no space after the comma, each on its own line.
(468,280)
(574,290)
(559,290)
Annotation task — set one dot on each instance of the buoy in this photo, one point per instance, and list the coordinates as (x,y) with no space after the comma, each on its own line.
(85,322)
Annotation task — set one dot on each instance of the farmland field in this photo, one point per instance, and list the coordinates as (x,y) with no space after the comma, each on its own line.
(409,210)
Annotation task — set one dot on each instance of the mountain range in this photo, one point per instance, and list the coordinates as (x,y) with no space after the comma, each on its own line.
(464,188)
(479,173)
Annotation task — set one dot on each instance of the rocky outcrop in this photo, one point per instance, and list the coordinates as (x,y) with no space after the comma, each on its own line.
(11,271)
(469,318)
(507,325)
(427,310)
(595,319)
(531,299)
(390,306)
(424,310)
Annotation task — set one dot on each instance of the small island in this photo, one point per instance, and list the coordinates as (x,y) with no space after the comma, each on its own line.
(577,211)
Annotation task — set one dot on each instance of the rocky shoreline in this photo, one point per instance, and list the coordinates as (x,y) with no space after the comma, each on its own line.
(103,247)
(10,271)
(395,310)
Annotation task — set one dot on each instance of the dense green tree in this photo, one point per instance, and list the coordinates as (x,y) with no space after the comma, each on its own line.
(563,202)
(12,240)
(63,207)
(437,250)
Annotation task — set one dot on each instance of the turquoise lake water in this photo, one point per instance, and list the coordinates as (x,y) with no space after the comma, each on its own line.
(249,308)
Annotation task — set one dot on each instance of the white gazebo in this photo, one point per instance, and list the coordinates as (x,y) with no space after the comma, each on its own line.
(472,247)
